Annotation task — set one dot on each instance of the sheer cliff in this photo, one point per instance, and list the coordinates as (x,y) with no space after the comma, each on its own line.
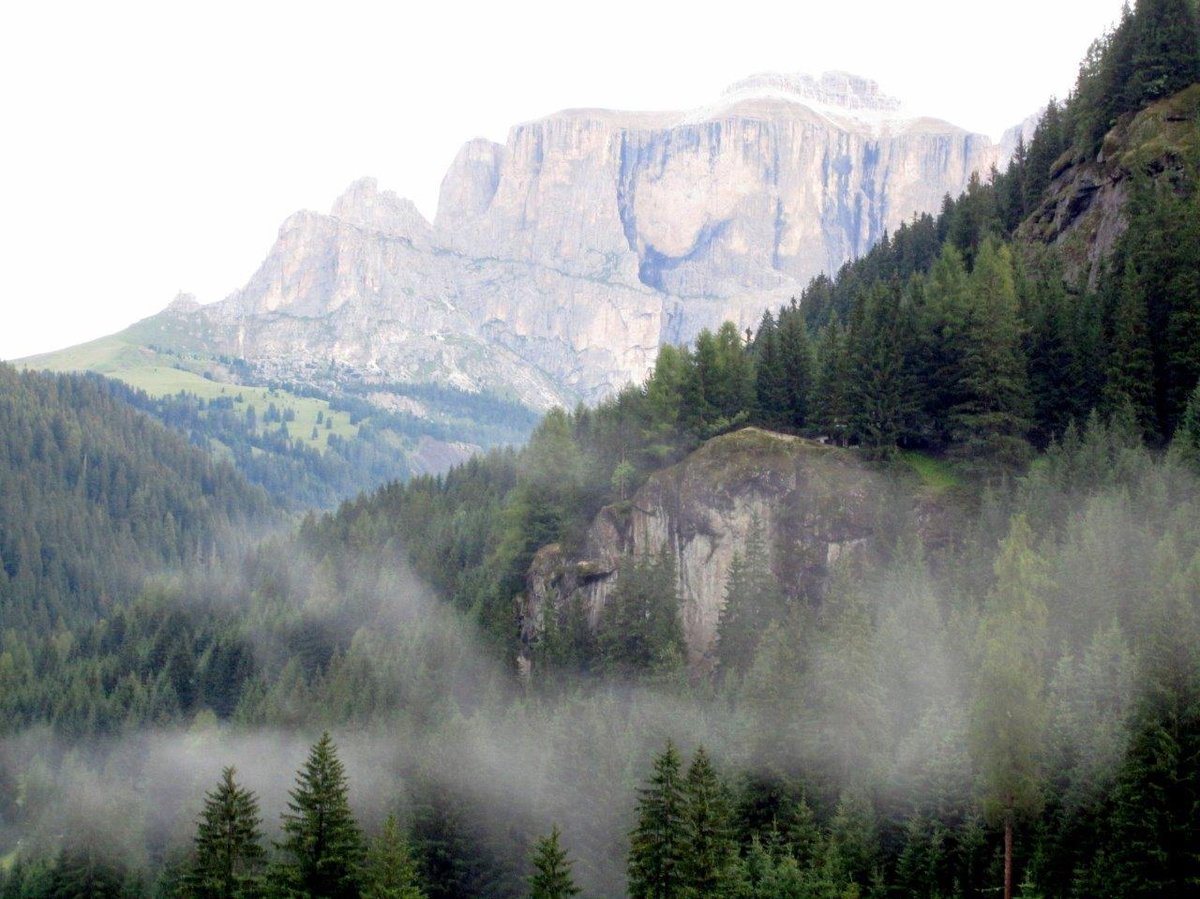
(560,261)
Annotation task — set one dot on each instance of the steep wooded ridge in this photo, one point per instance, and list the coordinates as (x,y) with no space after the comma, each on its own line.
(559,262)
(95,496)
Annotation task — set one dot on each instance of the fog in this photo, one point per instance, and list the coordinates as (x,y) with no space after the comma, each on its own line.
(873,691)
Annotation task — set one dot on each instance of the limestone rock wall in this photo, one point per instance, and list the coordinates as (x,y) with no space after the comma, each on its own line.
(814,503)
(560,262)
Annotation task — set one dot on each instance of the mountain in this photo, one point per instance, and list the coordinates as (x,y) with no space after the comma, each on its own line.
(559,262)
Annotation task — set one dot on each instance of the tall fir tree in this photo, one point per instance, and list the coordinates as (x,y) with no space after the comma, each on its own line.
(831,394)
(552,870)
(991,419)
(770,379)
(753,600)
(710,851)
(640,633)
(942,325)
(321,837)
(390,870)
(795,353)
(881,389)
(1131,363)
(657,843)
(1009,717)
(228,851)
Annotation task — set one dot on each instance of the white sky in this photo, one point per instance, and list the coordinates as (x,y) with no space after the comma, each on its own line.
(151,148)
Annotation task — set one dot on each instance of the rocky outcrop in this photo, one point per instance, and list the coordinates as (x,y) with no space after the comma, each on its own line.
(559,262)
(814,503)
(1083,214)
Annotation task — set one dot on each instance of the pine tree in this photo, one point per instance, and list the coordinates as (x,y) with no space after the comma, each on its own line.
(1166,49)
(552,879)
(709,852)
(753,600)
(228,844)
(770,380)
(1010,712)
(390,872)
(320,835)
(942,329)
(1131,363)
(795,353)
(831,397)
(881,390)
(656,845)
(990,421)
(640,632)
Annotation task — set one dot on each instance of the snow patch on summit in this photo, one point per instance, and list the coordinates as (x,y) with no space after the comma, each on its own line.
(840,97)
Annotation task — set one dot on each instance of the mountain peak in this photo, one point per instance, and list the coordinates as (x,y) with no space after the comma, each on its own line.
(365,205)
(841,90)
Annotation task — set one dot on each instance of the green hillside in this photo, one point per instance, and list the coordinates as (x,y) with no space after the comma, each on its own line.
(307,448)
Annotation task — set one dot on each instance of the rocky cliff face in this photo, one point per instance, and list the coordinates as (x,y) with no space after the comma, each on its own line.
(1083,214)
(559,262)
(815,504)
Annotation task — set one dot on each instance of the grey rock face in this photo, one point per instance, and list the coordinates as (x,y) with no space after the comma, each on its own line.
(814,504)
(558,263)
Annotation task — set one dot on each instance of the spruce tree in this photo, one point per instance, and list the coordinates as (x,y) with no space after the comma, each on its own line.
(552,877)
(710,852)
(753,600)
(990,420)
(656,845)
(942,329)
(795,353)
(320,835)
(390,871)
(1185,446)
(228,849)
(881,390)
(770,380)
(1166,49)
(639,631)
(1131,362)
(831,396)
(1009,717)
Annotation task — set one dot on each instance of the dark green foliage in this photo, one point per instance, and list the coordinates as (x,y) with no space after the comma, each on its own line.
(753,601)
(322,844)
(1164,48)
(228,851)
(1060,388)
(990,417)
(1153,848)
(881,391)
(1130,378)
(831,392)
(770,379)
(1186,445)
(657,846)
(710,852)
(390,871)
(552,870)
(93,495)
(640,632)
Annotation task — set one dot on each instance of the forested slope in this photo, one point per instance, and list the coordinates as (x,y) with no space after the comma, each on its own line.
(95,495)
